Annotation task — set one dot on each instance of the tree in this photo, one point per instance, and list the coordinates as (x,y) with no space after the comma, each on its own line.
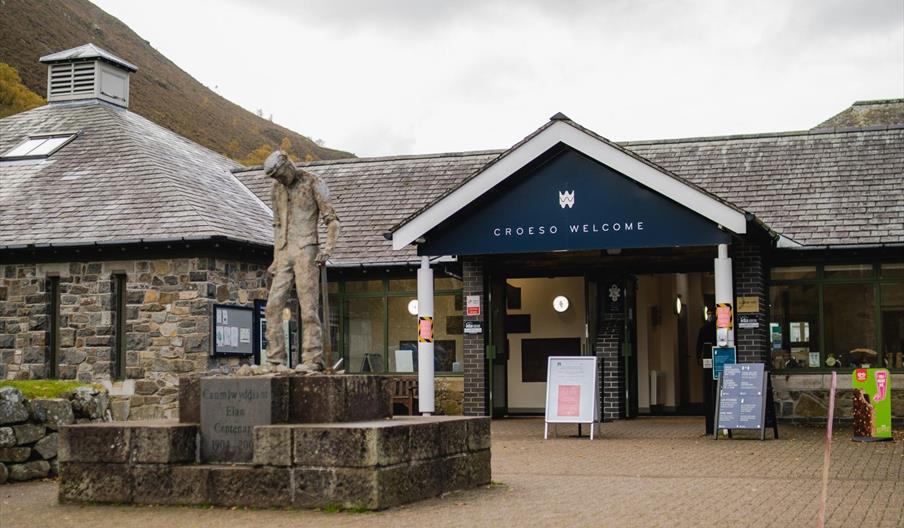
(258,155)
(15,97)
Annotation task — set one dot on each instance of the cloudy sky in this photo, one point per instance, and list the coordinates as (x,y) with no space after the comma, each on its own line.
(380,77)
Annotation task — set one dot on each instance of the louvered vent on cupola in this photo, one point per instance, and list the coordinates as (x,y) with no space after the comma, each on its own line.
(88,72)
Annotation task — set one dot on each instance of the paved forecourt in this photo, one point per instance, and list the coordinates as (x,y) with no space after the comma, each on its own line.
(645,472)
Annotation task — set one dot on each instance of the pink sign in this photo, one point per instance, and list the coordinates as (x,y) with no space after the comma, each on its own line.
(425,330)
(569,401)
(881,385)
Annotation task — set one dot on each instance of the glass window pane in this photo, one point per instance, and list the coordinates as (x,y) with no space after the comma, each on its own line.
(892,270)
(893,325)
(48,146)
(25,148)
(794,327)
(448,333)
(794,272)
(447,283)
(850,324)
(364,286)
(403,285)
(849,271)
(364,334)
(402,333)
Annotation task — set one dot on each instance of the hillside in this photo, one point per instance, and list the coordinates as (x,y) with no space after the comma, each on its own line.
(160,90)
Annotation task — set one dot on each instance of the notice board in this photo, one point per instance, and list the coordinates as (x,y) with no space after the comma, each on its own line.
(233,328)
(572,391)
(741,398)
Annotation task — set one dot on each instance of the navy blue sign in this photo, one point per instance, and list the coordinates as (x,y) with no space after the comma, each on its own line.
(741,397)
(723,356)
(569,202)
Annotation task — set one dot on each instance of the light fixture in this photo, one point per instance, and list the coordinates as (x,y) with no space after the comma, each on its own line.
(412,306)
(705,313)
(677,305)
(560,303)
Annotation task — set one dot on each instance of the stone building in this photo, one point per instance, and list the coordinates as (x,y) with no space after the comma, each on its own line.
(120,239)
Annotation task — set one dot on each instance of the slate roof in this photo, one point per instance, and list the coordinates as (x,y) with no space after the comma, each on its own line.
(123,178)
(868,113)
(838,187)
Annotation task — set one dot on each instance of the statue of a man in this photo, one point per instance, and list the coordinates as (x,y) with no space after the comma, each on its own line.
(299,200)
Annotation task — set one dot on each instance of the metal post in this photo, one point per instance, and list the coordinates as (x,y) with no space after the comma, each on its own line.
(425,382)
(724,293)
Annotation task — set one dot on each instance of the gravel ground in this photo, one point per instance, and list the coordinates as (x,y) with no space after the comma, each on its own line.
(644,472)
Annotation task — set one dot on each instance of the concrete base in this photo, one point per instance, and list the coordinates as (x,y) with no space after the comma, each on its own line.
(372,465)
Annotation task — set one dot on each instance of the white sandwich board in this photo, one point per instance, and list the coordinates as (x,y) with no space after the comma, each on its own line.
(572,392)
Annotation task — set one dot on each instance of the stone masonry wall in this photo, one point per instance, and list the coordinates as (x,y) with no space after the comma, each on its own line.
(168,309)
(29,429)
(804,398)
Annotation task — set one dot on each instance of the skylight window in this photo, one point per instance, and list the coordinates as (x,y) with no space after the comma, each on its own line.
(38,146)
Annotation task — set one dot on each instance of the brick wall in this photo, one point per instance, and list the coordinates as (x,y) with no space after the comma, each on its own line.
(750,280)
(168,308)
(475,382)
(608,350)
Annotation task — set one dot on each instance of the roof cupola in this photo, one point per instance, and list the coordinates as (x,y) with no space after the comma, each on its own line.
(88,72)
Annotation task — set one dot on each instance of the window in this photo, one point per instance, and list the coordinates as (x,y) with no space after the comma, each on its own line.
(38,146)
(53,328)
(377,323)
(837,316)
(118,350)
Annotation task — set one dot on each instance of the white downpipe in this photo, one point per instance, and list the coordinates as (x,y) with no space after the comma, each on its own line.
(724,292)
(425,381)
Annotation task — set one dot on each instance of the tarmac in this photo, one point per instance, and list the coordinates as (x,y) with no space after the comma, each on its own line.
(642,472)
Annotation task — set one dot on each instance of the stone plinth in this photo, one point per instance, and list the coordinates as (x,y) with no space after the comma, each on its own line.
(373,465)
(343,398)
(231,407)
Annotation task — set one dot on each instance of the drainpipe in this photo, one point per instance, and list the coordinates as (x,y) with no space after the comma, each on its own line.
(724,289)
(425,381)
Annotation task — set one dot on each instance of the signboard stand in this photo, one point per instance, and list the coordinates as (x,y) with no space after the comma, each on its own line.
(572,392)
(744,400)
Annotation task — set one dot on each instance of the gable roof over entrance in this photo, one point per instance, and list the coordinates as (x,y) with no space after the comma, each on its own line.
(557,132)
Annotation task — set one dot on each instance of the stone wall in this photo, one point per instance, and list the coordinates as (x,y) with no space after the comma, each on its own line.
(29,429)
(804,398)
(168,310)
(449,397)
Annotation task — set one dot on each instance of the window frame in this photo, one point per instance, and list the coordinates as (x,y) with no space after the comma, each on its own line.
(70,136)
(385,293)
(820,281)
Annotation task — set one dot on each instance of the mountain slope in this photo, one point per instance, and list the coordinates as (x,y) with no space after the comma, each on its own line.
(160,90)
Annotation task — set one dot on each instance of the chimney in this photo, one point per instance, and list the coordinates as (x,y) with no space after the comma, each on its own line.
(88,72)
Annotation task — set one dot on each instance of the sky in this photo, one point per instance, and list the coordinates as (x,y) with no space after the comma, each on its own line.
(389,77)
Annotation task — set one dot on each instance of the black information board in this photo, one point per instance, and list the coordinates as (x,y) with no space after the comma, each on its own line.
(232,330)
(742,399)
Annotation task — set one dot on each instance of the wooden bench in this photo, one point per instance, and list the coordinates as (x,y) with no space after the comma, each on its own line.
(404,392)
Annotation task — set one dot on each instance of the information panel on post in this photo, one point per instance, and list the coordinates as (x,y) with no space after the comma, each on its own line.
(572,392)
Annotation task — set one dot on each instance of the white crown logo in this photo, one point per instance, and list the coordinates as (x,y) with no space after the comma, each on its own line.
(566,199)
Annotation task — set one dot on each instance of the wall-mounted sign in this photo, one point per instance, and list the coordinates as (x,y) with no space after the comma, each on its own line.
(748,304)
(572,392)
(472,305)
(872,404)
(748,321)
(723,356)
(723,316)
(231,330)
(569,202)
(473,327)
